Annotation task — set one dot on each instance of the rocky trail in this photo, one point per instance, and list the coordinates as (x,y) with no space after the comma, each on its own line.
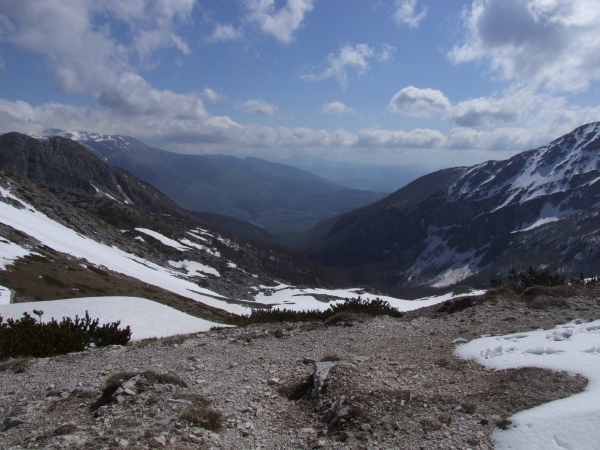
(384,384)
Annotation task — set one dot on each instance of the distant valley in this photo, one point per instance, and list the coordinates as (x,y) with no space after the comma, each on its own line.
(273,196)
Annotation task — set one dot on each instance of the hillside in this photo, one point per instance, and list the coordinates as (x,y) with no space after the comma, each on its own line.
(108,233)
(277,197)
(471,224)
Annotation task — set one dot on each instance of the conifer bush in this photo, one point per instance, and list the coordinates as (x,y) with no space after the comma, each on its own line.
(523,280)
(30,337)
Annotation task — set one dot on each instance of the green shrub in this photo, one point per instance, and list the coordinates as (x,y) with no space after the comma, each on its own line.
(523,280)
(376,307)
(30,337)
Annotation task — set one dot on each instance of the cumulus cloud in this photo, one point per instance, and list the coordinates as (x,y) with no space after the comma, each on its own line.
(212,96)
(336,108)
(416,102)
(356,57)
(282,23)
(551,44)
(224,33)
(406,13)
(77,39)
(257,107)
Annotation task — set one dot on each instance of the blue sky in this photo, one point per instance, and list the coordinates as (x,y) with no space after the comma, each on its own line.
(379,81)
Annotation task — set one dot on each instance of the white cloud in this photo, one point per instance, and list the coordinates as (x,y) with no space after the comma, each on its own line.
(511,107)
(387,53)
(406,13)
(416,102)
(356,57)
(179,122)
(212,96)
(336,108)
(224,33)
(498,139)
(283,23)
(551,44)
(257,107)
(77,39)
(417,138)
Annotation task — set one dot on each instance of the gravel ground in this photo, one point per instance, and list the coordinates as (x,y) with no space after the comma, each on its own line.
(395,384)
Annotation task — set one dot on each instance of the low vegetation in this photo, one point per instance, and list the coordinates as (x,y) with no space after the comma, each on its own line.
(375,307)
(519,281)
(30,337)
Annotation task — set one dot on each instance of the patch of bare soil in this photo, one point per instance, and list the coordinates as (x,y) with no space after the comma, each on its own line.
(395,383)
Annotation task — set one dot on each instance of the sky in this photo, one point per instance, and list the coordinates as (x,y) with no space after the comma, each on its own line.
(445,83)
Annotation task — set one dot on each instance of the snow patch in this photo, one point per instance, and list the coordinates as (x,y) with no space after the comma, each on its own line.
(195,268)
(9,251)
(296,299)
(163,239)
(572,421)
(146,318)
(5,295)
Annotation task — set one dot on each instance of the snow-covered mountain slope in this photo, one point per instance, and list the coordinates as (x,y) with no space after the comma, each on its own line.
(458,224)
(64,260)
(561,172)
(59,239)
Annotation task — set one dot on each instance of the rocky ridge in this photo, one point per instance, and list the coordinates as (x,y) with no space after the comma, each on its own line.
(384,383)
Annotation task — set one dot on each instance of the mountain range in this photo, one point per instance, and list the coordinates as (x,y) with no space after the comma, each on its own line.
(459,225)
(468,224)
(276,197)
(71,225)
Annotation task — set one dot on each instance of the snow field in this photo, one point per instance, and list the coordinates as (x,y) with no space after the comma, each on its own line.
(65,240)
(146,318)
(295,299)
(569,423)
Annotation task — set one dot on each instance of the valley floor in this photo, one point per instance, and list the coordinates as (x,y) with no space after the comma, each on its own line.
(402,385)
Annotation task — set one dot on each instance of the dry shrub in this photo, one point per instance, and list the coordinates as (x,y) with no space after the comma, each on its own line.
(18,365)
(503,424)
(542,297)
(163,378)
(178,339)
(204,417)
(456,305)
